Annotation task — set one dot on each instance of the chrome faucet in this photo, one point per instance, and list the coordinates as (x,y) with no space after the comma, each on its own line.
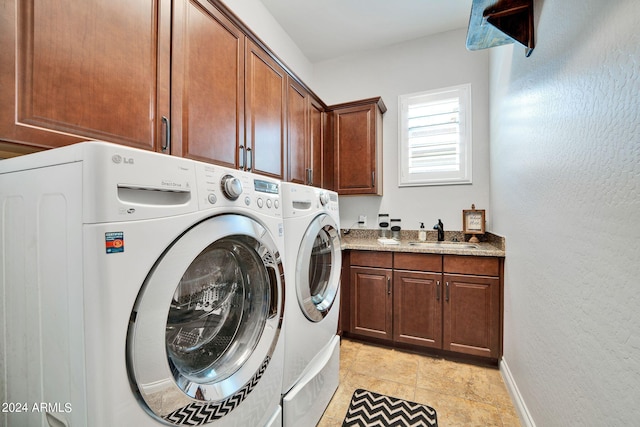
(440,227)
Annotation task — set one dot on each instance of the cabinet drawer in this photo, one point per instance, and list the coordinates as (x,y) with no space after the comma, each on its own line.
(372,259)
(419,262)
(481,266)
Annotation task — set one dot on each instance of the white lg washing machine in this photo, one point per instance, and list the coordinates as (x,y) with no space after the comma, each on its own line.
(313,263)
(139,289)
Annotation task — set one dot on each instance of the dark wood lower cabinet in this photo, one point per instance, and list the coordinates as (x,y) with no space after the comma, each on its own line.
(472,315)
(457,308)
(417,311)
(371,314)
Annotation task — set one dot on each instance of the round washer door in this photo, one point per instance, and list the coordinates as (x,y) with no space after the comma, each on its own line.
(318,268)
(206,321)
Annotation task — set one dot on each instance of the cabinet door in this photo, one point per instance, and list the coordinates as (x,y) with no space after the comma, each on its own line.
(472,315)
(371,302)
(358,141)
(417,308)
(265,95)
(73,71)
(317,123)
(207,84)
(298,153)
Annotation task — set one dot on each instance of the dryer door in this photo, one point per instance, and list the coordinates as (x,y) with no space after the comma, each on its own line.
(206,321)
(318,268)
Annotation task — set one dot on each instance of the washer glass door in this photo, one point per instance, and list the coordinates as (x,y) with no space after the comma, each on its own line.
(214,320)
(318,268)
(207,320)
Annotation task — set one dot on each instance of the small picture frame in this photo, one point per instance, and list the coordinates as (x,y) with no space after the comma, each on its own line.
(473,220)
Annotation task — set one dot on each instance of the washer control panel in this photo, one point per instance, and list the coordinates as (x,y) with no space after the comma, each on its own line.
(224,187)
(329,203)
(231,187)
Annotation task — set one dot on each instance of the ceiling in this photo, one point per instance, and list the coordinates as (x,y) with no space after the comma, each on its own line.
(325,29)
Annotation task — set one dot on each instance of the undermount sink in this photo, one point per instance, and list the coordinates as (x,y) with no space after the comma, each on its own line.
(445,245)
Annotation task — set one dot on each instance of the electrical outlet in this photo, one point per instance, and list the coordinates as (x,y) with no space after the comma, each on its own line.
(362,221)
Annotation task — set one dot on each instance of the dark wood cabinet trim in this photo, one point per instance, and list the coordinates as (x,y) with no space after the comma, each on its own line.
(359,103)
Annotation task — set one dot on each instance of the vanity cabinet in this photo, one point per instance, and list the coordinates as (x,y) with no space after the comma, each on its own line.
(371,294)
(473,305)
(357,139)
(450,303)
(417,299)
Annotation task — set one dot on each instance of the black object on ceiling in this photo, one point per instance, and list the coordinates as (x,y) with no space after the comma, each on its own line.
(498,22)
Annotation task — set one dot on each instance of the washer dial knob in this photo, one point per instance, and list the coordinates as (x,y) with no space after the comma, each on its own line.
(324,199)
(231,187)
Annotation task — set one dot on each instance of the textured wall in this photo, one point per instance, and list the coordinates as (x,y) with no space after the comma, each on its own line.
(565,191)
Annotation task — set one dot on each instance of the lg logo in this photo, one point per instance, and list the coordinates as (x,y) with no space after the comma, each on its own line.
(116,158)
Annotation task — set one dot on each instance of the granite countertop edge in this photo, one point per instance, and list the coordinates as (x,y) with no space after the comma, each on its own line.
(370,243)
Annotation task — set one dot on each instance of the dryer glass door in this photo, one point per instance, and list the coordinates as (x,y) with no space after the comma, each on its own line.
(207,321)
(318,268)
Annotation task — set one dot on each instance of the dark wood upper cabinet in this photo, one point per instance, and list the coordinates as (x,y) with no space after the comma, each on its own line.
(357,144)
(265,113)
(305,135)
(298,135)
(182,77)
(316,141)
(207,84)
(73,71)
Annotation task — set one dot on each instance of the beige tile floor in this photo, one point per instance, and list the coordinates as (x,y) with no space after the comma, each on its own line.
(462,394)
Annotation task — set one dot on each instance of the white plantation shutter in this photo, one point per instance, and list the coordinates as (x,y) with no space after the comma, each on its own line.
(435,137)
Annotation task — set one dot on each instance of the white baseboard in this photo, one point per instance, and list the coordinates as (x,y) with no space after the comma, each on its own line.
(516,397)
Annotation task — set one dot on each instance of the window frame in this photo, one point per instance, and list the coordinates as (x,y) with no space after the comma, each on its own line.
(464,174)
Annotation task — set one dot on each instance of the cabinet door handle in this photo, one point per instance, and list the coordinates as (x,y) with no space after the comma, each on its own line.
(446,298)
(388,285)
(166,136)
(373,179)
(242,157)
(437,290)
(249,159)
(310,176)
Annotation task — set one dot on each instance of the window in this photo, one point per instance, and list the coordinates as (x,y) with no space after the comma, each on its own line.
(435,137)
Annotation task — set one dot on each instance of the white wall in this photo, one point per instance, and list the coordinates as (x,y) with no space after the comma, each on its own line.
(565,191)
(256,16)
(423,64)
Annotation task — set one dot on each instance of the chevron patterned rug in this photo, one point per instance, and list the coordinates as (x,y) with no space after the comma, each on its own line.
(368,409)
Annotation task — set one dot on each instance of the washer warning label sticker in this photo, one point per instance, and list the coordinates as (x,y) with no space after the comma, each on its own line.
(114,242)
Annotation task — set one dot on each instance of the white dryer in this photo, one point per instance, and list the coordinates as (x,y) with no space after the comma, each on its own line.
(313,263)
(139,289)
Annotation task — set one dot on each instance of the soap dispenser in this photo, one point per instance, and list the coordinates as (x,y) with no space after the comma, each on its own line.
(422,233)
